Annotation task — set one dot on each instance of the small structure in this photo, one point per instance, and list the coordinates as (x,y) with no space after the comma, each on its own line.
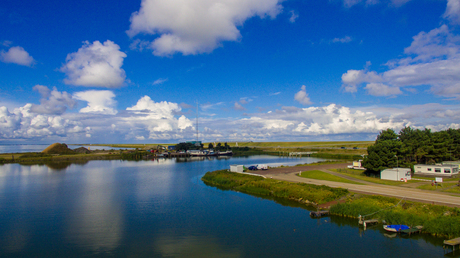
(357,165)
(237,168)
(451,243)
(396,174)
(436,170)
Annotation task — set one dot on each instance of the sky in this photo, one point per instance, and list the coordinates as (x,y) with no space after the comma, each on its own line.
(249,70)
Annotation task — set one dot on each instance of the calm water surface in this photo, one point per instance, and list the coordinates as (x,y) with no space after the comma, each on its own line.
(162,209)
(22,148)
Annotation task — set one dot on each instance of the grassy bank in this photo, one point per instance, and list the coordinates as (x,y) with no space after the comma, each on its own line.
(435,219)
(305,193)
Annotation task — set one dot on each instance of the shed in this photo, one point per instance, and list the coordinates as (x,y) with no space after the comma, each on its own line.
(237,168)
(396,174)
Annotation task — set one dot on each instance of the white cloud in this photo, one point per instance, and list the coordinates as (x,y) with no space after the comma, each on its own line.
(380,89)
(160,81)
(95,64)
(453,11)
(394,3)
(52,102)
(302,96)
(345,39)
(432,59)
(196,26)
(238,106)
(101,102)
(293,17)
(16,55)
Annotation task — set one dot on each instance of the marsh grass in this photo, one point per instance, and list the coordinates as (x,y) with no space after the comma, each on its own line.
(301,192)
(435,219)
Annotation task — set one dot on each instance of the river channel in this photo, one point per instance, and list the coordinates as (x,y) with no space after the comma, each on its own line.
(161,208)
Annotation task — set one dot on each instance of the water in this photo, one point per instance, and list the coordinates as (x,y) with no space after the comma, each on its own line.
(22,148)
(161,208)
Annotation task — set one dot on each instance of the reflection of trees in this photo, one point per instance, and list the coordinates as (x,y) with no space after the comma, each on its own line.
(60,165)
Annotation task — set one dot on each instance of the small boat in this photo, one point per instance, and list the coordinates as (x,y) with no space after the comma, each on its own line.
(395,228)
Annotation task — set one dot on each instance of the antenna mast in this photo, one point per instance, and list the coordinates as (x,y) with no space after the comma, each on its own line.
(197,137)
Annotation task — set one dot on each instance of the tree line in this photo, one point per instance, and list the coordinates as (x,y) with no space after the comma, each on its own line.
(412,146)
(185,146)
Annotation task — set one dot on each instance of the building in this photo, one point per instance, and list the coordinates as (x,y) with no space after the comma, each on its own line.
(436,170)
(237,168)
(396,174)
(357,165)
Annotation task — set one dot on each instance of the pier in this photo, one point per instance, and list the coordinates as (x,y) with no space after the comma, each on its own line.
(452,242)
(319,214)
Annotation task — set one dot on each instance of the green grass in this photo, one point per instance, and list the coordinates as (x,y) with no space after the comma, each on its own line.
(444,187)
(304,193)
(359,174)
(320,175)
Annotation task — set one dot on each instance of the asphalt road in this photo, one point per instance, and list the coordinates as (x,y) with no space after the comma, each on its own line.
(290,174)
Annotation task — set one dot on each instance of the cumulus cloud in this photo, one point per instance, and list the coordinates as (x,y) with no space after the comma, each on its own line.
(432,59)
(101,102)
(96,64)
(302,96)
(453,11)
(196,26)
(52,101)
(16,55)
(380,89)
(22,123)
(160,121)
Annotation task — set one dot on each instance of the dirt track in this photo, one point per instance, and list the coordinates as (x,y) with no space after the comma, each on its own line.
(290,174)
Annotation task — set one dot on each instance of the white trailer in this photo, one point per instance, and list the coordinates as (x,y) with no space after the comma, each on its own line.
(396,174)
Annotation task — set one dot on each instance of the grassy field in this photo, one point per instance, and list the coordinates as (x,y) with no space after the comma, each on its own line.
(358,174)
(450,187)
(316,174)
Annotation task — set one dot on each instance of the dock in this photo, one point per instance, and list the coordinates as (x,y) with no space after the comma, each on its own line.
(452,242)
(368,222)
(412,230)
(319,214)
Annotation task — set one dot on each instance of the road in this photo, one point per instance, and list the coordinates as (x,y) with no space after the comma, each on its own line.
(290,174)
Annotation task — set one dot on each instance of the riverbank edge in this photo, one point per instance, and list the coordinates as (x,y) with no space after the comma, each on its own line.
(437,220)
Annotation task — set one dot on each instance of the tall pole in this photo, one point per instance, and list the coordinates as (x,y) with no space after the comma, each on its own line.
(396,163)
(197,137)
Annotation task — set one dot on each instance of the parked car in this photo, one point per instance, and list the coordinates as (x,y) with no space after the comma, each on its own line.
(252,168)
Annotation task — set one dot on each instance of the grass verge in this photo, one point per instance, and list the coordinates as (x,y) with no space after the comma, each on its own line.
(304,193)
(320,175)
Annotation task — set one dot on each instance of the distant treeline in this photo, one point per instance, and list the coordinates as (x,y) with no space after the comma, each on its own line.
(412,146)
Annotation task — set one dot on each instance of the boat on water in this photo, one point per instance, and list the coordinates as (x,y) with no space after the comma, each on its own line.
(225,153)
(395,228)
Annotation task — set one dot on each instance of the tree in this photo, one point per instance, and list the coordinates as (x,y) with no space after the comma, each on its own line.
(210,146)
(384,153)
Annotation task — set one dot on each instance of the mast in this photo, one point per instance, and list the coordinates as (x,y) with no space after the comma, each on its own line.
(197,134)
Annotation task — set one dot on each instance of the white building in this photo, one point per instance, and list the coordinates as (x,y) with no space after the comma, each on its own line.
(237,168)
(436,170)
(396,174)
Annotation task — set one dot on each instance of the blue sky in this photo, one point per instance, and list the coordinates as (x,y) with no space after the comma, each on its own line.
(260,70)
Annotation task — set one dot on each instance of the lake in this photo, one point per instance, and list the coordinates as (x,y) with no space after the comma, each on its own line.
(161,208)
(22,148)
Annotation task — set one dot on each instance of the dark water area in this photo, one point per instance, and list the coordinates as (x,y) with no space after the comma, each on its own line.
(161,208)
